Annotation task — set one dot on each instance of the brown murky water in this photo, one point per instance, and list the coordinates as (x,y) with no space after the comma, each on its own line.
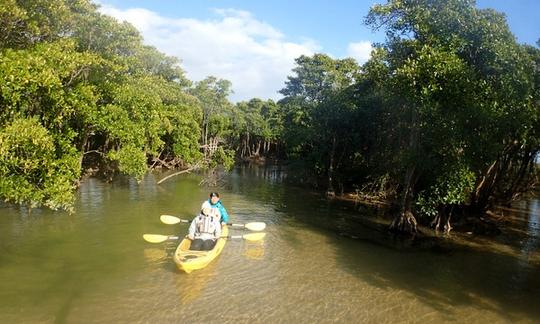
(94,267)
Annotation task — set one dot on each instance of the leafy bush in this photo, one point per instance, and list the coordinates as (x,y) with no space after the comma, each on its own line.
(35,168)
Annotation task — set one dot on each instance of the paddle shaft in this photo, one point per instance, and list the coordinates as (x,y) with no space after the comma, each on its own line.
(157,238)
(237,225)
(228,224)
(180,220)
(253,226)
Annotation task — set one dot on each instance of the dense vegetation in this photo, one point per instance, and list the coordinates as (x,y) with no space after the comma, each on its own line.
(444,117)
(80,90)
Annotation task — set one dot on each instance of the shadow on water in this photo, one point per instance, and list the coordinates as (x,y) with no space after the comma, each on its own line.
(496,274)
(458,276)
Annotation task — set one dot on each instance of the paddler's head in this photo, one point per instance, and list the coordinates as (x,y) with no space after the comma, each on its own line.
(207,211)
(214,197)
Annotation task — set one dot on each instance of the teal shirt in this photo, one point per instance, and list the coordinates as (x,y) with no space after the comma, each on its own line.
(219,206)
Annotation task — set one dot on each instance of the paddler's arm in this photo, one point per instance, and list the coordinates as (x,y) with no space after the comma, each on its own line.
(191,231)
(217,232)
(224,215)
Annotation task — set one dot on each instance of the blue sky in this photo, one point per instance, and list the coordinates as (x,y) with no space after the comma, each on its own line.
(253,43)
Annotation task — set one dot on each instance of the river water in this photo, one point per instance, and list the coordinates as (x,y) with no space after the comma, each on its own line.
(94,267)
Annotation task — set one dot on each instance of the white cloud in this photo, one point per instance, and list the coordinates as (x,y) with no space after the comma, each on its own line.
(360,51)
(235,46)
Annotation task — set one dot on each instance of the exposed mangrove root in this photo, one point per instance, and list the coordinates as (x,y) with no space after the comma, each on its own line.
(444,218)
(441,218)
(404,223)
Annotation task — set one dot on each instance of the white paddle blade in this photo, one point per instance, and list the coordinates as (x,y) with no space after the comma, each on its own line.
(256,226)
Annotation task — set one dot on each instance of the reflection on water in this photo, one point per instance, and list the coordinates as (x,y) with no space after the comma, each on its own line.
(191,286)
(155,255)
(533,225)
(254,250)
(93,266)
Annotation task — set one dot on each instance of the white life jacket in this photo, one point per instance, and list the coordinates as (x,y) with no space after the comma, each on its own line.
(205,225)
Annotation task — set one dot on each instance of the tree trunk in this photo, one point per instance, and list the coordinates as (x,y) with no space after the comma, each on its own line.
(243,147)
(330,191)
(257,149)
(479,197)
(205,138)
(505,178)
(522,182)
(405,222)
(248,145)
(83,148)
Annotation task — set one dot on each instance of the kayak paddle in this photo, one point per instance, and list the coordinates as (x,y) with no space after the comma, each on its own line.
(253,226)
(157,238)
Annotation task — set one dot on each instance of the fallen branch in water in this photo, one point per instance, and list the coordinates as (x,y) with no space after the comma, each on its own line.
(180,172)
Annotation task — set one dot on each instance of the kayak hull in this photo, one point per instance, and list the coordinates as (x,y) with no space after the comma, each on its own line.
(187,260)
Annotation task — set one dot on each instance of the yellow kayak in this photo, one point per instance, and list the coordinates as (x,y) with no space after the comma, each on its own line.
(188,260)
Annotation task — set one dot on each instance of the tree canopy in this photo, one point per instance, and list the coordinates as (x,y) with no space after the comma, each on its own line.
(85,91)
(444,117)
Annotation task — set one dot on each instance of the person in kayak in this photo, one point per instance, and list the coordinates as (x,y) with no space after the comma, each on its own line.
(214,202)
(204,231)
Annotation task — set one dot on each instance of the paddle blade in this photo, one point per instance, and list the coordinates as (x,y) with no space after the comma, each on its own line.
(256,226)
(157,238)
(254,236)
(168,219)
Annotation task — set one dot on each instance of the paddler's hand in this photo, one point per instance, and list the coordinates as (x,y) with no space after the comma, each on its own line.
(190,237)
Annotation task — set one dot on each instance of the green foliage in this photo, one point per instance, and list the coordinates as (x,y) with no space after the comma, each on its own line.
(217,120)
(40,82)
(222,157)
(456,91)
(131,160)
(149,61)
(320,115)
(181,122)
(448,102)
(151,114)
(212,94)
(97,89)
(35,167)
(25,23)
(452,188)
(254,123)
(219,125)
(318,76)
